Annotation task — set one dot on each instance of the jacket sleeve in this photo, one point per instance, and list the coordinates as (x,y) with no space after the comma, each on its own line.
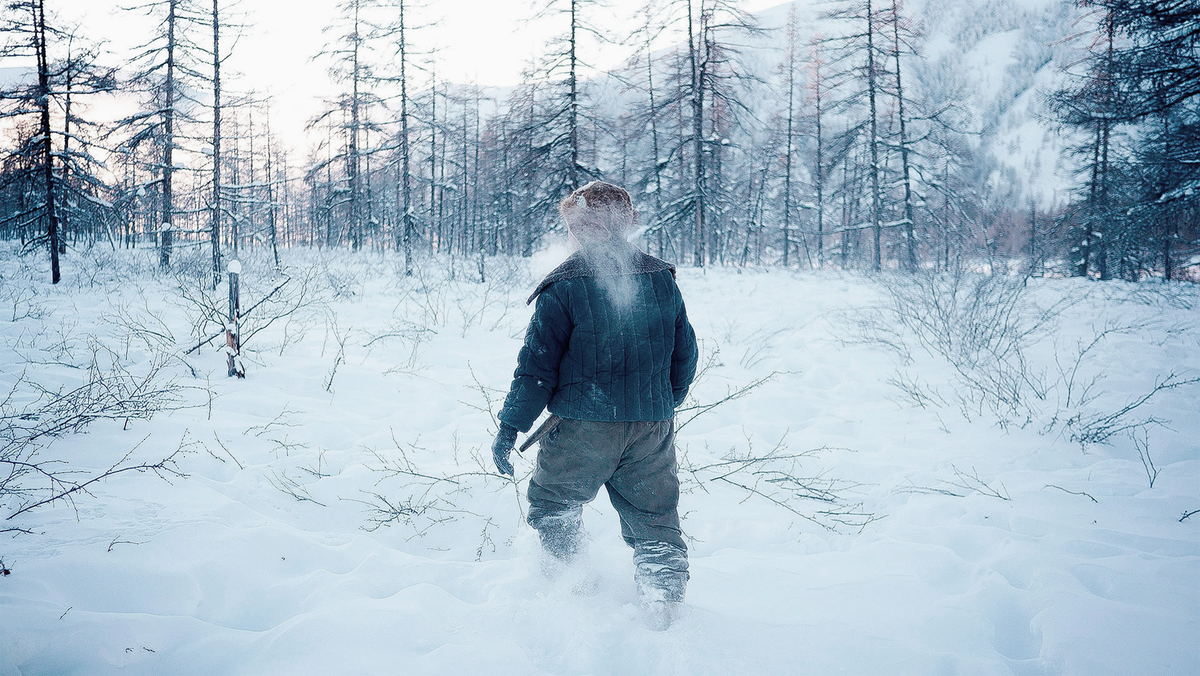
(684,357)
(536,377)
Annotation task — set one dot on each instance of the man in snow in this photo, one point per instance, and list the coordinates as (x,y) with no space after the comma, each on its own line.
(609,351)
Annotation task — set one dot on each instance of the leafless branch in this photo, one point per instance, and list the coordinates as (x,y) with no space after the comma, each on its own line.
(1086,495)
(971,482)
(64,488)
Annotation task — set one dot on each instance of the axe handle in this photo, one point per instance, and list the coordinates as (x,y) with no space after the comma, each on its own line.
(541,431)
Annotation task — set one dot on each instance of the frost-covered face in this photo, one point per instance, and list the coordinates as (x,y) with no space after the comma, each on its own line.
(599,217)
(588,226)
(596,213)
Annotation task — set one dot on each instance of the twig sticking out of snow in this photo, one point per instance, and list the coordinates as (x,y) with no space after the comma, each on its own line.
(423,500)
(118,541)
(1086,495)
(289,486)
(1143,447)
(926,490)
(223,448)
(973,483)
(108,394)
(980,325)
(778,477)
(61,487)
(1098,428)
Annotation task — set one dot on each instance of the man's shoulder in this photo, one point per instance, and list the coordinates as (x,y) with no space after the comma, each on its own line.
(647,264)
(572,268)
(578,266)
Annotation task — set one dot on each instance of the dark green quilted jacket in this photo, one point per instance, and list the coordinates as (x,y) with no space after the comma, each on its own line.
(609,341)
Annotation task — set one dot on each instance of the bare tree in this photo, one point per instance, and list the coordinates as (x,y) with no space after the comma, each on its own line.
(817,84)
(789,67)
(856,56)
(909,234)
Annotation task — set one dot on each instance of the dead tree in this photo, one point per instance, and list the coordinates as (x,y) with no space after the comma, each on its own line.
(789,66)
(215,213)
(909,234)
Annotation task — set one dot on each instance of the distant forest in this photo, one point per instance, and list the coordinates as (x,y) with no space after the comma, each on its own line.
(839,157)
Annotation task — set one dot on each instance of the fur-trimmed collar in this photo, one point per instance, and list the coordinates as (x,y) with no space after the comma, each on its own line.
(582,263)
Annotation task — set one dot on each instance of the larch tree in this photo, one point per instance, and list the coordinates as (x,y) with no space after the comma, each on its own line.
(789,66)
(1159,55)
(166,68)
(50,174)
(1096,104)
(900,48)
(817,85)
(351,63)
(554,129)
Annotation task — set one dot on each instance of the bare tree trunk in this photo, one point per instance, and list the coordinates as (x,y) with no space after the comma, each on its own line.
(405,217)
(233,337)
(43,100)
(909,232)
(352,155)
(1033,242)
(66,145)
(1106,127)
(697,133)
(167,221)
(1085,245)
(274,232)
(1169,227)
(445,239)
(820,160)
(573,107)
(368,197)
(872,91)
(654,135)
(435,224)
(43,60)
(787,174)
(476,221)
(215,235)
(527,244)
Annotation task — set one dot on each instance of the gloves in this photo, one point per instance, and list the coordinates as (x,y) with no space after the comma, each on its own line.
(502,447)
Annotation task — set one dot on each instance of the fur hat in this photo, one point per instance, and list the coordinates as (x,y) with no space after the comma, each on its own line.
(598,212)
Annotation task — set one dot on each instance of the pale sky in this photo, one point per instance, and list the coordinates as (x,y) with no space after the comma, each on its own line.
(487,42)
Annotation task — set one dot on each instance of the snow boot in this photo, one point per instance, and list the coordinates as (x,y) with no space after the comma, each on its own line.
(562,534)
(659,615)
(564,550)
(660,574)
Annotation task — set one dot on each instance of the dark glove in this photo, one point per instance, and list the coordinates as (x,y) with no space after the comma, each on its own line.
(502,447)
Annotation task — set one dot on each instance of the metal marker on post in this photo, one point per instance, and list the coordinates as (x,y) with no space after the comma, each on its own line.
(233,345)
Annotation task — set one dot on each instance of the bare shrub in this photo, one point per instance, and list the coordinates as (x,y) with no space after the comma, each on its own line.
(423,500)
(1089,426)
(963,484)
(280,298)
(1142,443)
(22,300)
(981,325)
(694,407)
(339,338)
(984,328)
(782,479)
(110,392)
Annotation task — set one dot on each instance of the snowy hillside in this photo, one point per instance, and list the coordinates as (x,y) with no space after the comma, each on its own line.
(857,499)
(997,60)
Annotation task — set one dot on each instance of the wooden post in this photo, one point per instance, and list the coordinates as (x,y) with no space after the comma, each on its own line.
(233,345)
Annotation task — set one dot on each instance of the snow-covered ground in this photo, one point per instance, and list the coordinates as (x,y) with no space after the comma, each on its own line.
(858,509)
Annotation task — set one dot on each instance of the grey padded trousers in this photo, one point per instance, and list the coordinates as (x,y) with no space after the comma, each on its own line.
(635,462)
